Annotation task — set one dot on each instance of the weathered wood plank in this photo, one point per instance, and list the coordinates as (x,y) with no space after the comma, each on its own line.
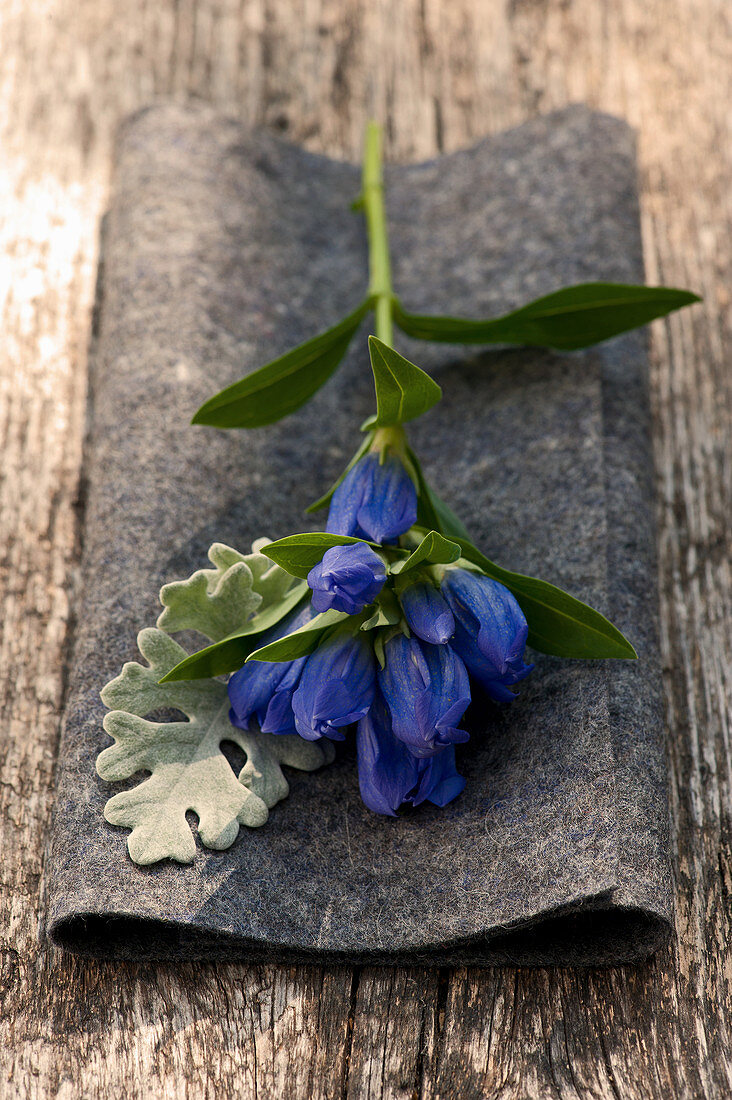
(396,1015)
(440,75)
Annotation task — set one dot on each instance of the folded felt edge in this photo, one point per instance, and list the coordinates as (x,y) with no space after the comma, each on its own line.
(588,934)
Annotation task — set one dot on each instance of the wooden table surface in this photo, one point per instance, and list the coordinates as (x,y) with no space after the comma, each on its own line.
(440,73)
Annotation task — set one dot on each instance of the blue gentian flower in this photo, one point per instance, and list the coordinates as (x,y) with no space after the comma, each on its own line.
(427,613)
(390,775)
(261,691)
(280,717)
(347,579)
(490,630)
(336,687)
(427,691)
(376,500)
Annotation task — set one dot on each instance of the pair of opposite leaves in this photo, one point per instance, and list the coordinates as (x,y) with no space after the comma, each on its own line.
(569,319)
(559,624)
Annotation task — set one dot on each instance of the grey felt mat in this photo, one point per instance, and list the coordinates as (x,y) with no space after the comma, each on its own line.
(225,247)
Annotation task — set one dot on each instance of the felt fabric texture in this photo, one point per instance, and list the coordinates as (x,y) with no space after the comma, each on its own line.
(225,247)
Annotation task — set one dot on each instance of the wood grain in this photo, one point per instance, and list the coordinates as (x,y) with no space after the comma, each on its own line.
(440,74)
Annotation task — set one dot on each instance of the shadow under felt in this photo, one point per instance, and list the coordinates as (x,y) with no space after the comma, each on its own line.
(226,246)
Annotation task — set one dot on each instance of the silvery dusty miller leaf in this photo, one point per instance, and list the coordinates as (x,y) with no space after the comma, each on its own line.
(231,604)
(187,769)
(218,601)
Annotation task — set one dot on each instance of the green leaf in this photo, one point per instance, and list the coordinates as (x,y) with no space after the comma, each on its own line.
(387,613)
(432,512)
(299,553)
(284,385)
(403,391)
(188,771)
(434,549)
(571,318)
(301,642)
(559,624)
(326,498)
(450,524)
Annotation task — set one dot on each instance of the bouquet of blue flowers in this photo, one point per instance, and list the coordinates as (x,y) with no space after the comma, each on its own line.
(382,626)
(399,665)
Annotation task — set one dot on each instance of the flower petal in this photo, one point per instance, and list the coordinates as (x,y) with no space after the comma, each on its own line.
(336,687)
(427,691)
(376,500)
(427,613)
(347,579)
(390,776)
(490,630)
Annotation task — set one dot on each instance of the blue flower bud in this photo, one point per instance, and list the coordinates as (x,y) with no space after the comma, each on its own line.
(490,630)
(427,691)
(427,613)
(376,500)
(336,687)
(261,691)
(347,579)
(390,775)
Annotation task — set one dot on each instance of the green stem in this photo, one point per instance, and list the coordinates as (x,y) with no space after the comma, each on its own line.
(380,288)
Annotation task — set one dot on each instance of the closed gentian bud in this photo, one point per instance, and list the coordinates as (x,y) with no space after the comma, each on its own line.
(376,500)
(490,630)
(336,687)
(427,613)
(347,579)
(427,691)
(390,775)
(261,687)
